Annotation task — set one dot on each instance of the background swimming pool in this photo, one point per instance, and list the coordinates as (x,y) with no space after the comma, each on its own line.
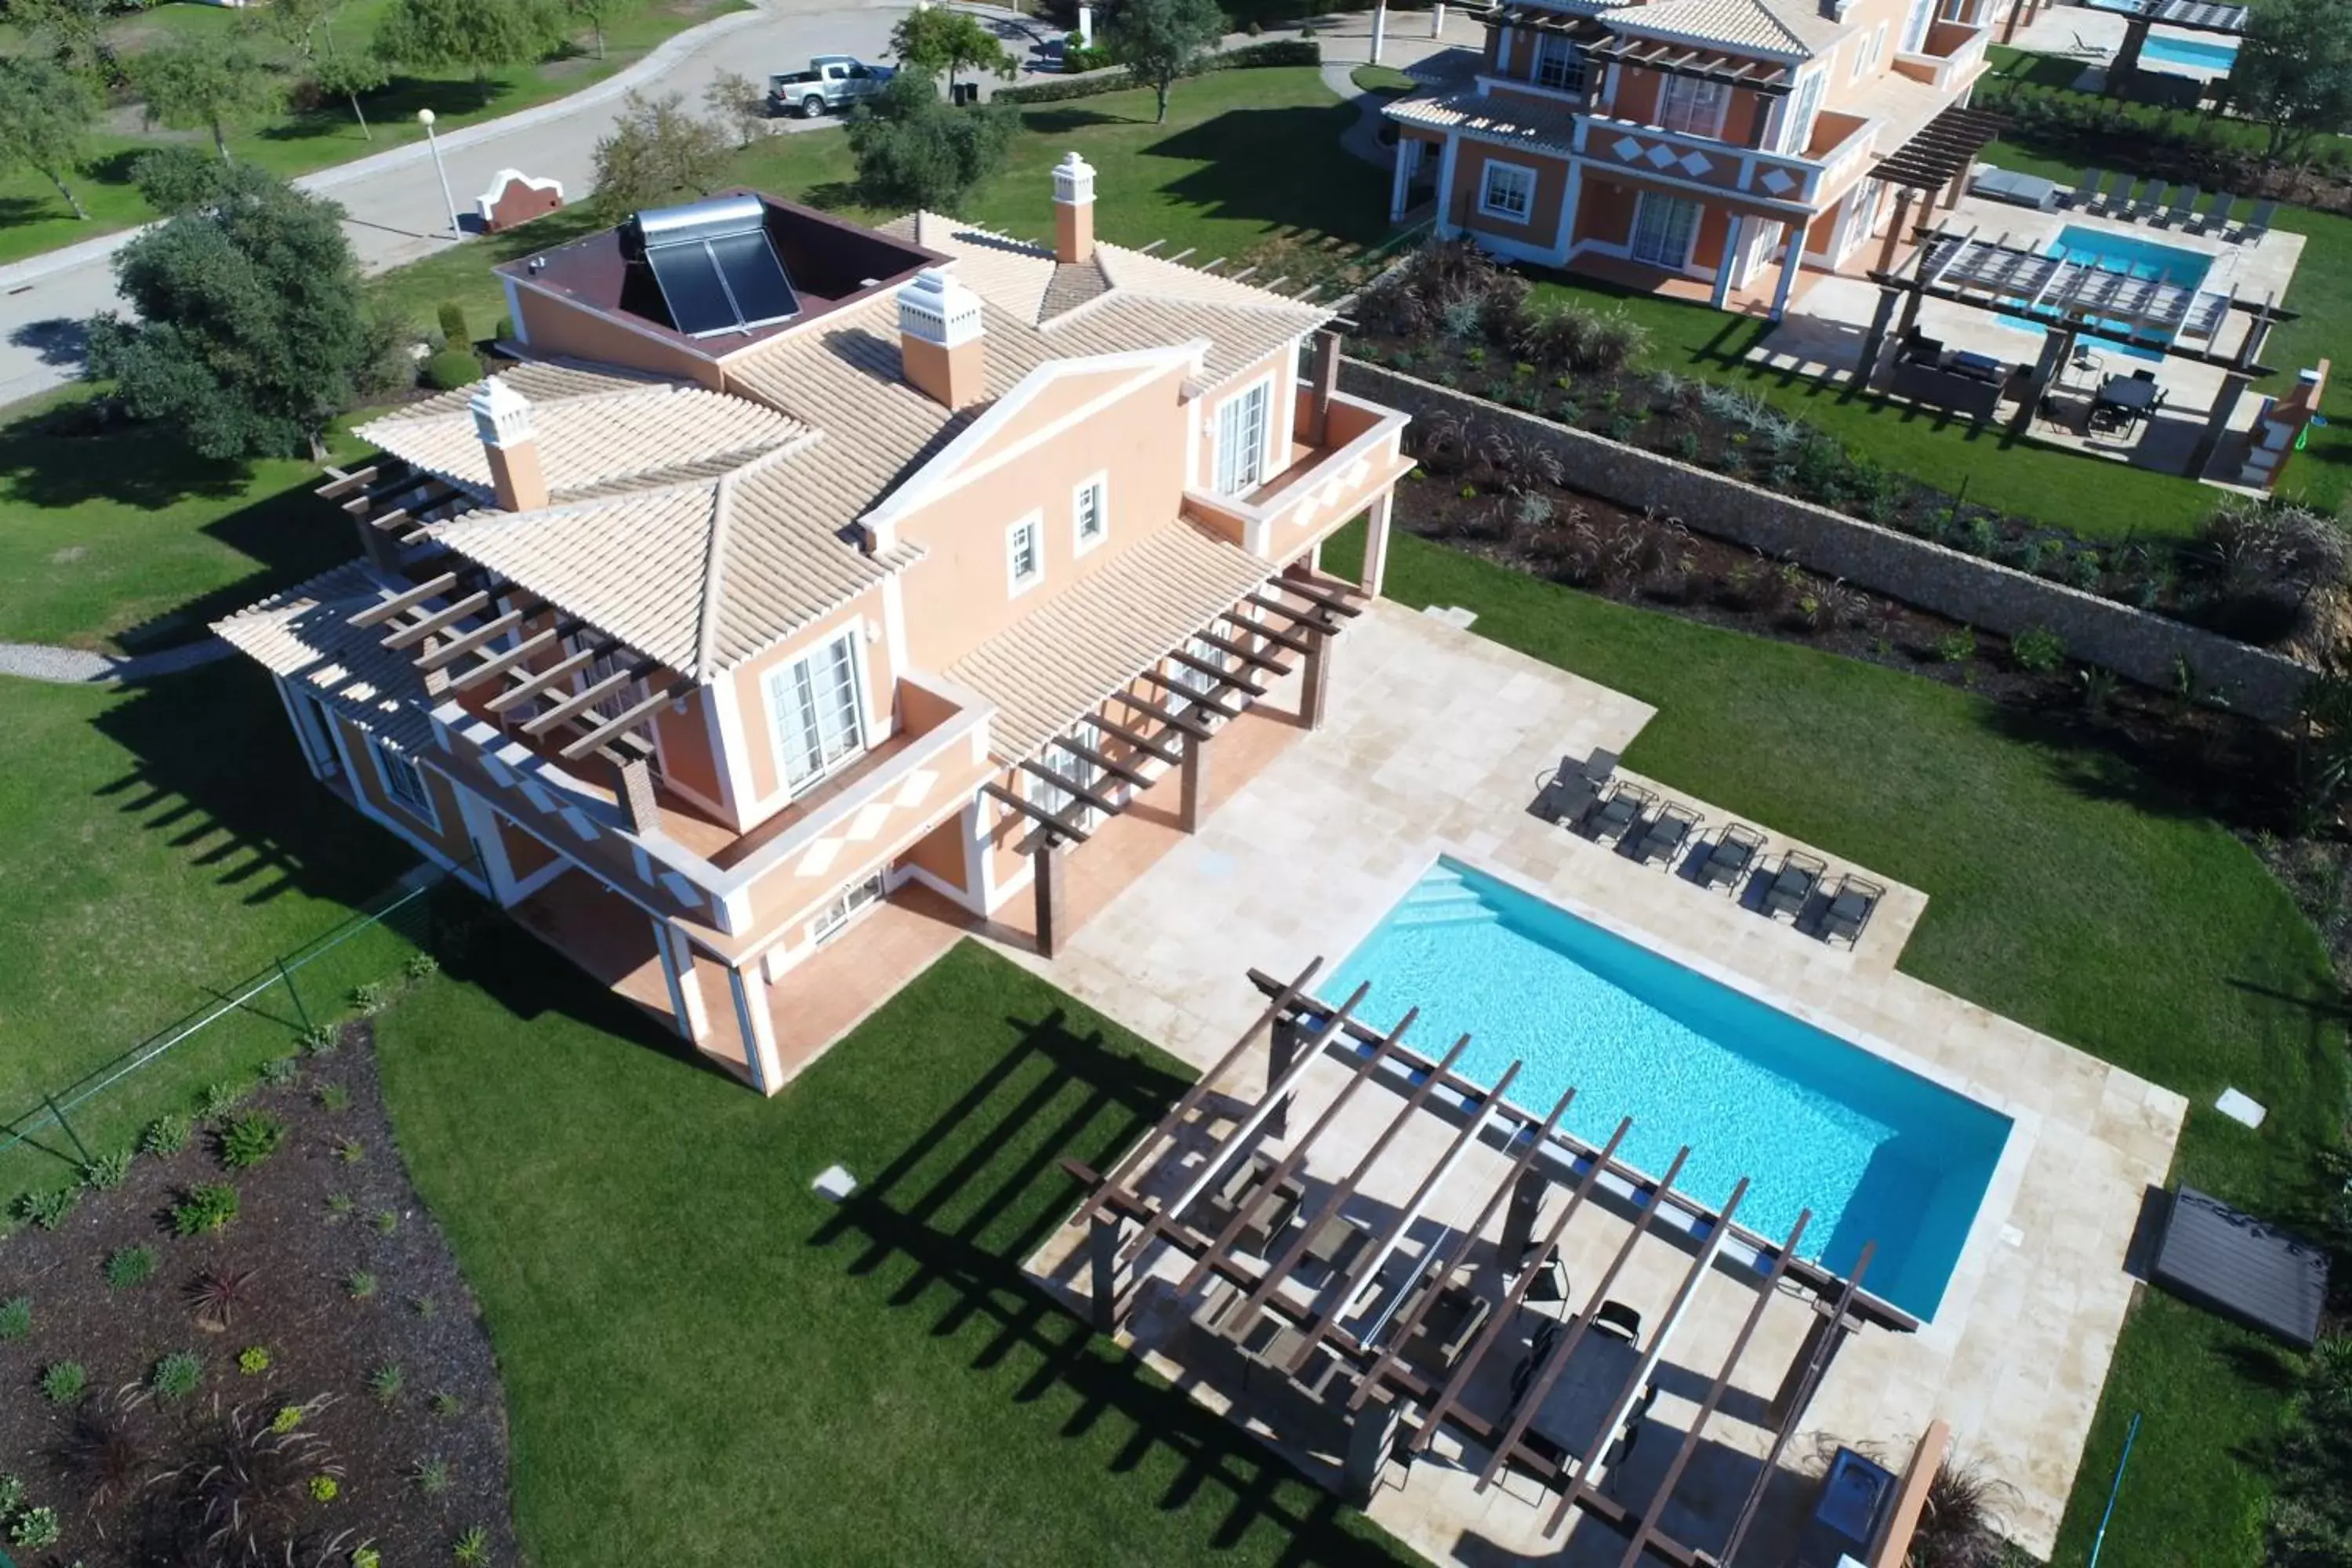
(1876,1151)
(2141,258)
(2218,59)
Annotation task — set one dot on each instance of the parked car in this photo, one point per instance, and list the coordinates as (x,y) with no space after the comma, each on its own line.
(831,82)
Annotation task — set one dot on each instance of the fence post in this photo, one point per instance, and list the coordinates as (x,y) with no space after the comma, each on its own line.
(296,992)
(59,1112)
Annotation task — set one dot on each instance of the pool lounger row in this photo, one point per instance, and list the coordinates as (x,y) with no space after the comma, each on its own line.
(2119,196)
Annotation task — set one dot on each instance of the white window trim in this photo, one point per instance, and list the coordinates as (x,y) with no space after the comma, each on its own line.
(1217,458)
(844,911)
(1573,63)
(1100,484)
(1632,235)
(1487,189)
(1016,585)
(855,636)
(1721,96)
(431,815)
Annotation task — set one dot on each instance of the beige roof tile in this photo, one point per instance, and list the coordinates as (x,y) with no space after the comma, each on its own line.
(1065,659)
(1774,26)
(305,635)
(1507,120)
(539,380)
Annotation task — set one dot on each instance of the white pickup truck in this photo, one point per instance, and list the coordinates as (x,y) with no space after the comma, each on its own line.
(832,82)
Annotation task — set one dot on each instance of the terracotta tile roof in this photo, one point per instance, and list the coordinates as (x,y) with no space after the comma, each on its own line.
(598,442)
(1061,660)
(539,380)
(1073,284)
(1773,27)
(304,634)
(1514,121)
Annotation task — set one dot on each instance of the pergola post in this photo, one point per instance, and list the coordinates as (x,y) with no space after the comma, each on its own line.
(1193,783)
(1830,1329)
(1953,192)
(1793,261)
(1902,199)
(2217,425)
(1371,1435)
(1315,688)
(758,1029)
(1046,885)
(2055,347)
(677,971)
(1519,1219)
(1730,263)
(1408,161)
(2127,60)
(1375,544)
(1874,341)
(1104,1234)
(1281,1053)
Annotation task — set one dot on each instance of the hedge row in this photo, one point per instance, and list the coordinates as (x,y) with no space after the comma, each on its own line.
(1275,52)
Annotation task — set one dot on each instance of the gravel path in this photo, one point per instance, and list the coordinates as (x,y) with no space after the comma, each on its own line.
(78,667)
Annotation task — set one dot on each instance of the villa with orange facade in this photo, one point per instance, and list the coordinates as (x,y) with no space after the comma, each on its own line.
(793,568)
(1714,147)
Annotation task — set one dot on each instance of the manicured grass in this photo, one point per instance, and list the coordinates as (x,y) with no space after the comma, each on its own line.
(2065,891)
(1202,180)
(164,842)
(33,217)
(1381,78)
(706,1363)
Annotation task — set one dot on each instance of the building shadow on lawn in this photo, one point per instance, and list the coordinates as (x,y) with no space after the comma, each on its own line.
(1345,198)
(2191,776)
(966,1229)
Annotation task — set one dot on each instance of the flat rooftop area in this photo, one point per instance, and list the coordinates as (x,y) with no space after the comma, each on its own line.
(1436,745)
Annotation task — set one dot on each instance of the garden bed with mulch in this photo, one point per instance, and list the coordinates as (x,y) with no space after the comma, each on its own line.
(310,1378)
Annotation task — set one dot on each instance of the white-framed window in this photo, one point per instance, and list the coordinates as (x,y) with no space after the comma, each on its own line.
(1915,25)
(1510,191)
(1024,553)
(403,782)
(814,703)
(1242,422)
(1664,228)
(1694,106)
(1869,52)
(1196,680)
(1090,513)
(1559,63)
(1861,217)
(1052,797)
(1797,128)
(834,917)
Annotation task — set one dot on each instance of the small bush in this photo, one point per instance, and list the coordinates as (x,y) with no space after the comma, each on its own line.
(63,1381)
(277,1072)
(334,1097)
(431,1476)
(11,1495)
(16,1316)
(446,1406)
(359,1284)
(424,1305)
(454,330)
(2037,651)
(216,1294)
(451,369)
(289,1416)
(165,1136)
(129,1266)
(48,1210)
(217,1100)
(387,1383)
(385,1221)
(35,1528)
(371,998)
(107,1171)
(176,1376)
(207,1207)
(339,1206)
(472,1550)
(364,1556)
(350,1151)
(1956,646)
(421,967)
(252,1359)
(250,1139)
(321,1040)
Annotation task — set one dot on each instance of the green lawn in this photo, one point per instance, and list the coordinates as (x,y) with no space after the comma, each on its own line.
(1201,181)
(2064,890)
(33,217)
(706,1364)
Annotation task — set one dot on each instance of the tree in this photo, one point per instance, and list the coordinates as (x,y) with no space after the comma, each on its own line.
(2294,71)
(348,76)
(178,179)
(251,332)
(46,115)
(297,24)
(479,35)
(656,150)
(593,13)
(1161,40)
(914,150)
(734,99)
(210,85)
(74,32)
(936,39)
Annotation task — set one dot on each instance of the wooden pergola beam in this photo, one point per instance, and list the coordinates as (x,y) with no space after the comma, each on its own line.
(1055,827)
(621,723)
(1313,618)
(400,604)
(1071,787)
(1170,684)
(1182,724)
(587,698)
(1149,745)
(1339,598)
(1217,672)
(489,632)
(341,483)
(1110,764)
(1244,652)
(528,648)
(562,669)
(1279,639)
(416,631)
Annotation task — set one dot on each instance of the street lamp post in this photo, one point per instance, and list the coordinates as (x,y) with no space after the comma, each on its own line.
(424,117)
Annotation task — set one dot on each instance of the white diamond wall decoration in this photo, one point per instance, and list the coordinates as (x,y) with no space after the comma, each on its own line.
(1626,148)
(1660,155)
(1778,182)
(917,785)
(1694,165)
(868,821)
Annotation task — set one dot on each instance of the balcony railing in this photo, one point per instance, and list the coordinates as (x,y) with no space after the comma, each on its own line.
(1644,148)
(1358,458)
(1950,57)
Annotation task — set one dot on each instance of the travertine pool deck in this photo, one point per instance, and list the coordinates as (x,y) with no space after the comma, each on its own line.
(1436,743)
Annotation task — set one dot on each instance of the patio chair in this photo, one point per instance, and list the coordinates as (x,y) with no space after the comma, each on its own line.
(1734,851)
(1793,886)
(1850,909)
(1334,1243)
(1447,1330)
(2085,188)
(2184,201)
(1666,834)
(2259,223)
(1614,815)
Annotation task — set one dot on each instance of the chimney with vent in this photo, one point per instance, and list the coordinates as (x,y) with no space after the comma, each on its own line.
(940,341)
(1074,210)
(502,420)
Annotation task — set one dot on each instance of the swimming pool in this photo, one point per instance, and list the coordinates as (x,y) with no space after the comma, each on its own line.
(1876,1151)
(2217,59)
(2112,251)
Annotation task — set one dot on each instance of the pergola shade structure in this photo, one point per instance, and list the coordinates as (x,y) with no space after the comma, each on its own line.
(1940,151)
(1767,77)
(1376,1271)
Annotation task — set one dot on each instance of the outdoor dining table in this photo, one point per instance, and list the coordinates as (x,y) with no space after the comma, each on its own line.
(2130,394)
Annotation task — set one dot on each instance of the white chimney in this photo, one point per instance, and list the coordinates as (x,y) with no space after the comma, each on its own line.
(940,345)
(502,420)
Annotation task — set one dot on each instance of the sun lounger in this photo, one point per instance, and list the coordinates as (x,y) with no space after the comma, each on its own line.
(1734,851)
(1666,834)
(1614,815)
(2184,201)
(1793,886)
(2215,220)
(1570,793)
(2111,200)
(2085,189)
(2145,200)
(1850,909)
(2259,223)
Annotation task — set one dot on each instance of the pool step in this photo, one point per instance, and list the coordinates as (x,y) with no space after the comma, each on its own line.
(1442,902)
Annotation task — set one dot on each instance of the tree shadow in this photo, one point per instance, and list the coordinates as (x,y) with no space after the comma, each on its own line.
(79,451)
(1057,121)
(1347,198)
(961,1229)
(59,341)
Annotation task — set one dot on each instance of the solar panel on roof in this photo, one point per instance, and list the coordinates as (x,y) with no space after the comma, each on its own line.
(716,268)
(690,287)
(754,277)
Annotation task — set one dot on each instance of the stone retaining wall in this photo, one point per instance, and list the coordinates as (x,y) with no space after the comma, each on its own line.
(2136,644)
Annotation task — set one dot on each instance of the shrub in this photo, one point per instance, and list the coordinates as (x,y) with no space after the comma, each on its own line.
(176,1376)
(216,1294)
(350,1151)
(165,1136)
(48,1210)
(63,1381)
(451,317)
(387,1383)
(250,1484)
(217,1100)
(359,1284)
(1961,1525)
(385,1221)
(128,1266)
(421,967)
(371,998)
(16,1316)
(2276,567)
(105,1452)
(253,1361)
(11,1495)
(289,1416)
(1956,646)
(366,1556)
(107,1171)
(339,1206)
(472,1550)
(2037,651)
(431,1476)
(279,1071)
(334,1097)
(250,1139)
(207,1207)
(2099,685)
(35,1528)
(321,1040)
(446,1406)
(451,369)
(325,1489)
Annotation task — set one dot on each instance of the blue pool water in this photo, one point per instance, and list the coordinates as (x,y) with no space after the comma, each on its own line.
(2142,258)
(2218,59)
(1876,1151)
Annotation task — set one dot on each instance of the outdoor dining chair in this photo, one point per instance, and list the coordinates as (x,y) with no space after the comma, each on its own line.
(1793,886)
(1850,909)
